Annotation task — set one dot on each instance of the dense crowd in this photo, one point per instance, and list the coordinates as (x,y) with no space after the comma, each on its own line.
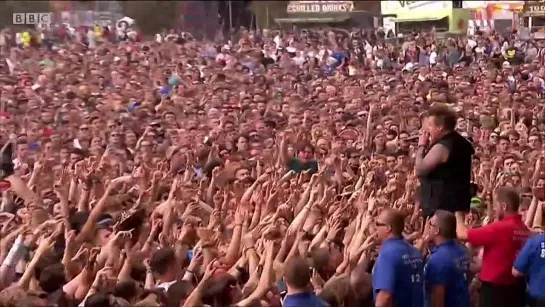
(276,169)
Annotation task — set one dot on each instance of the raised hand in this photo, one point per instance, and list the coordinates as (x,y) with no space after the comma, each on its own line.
(83,253)
(46,243)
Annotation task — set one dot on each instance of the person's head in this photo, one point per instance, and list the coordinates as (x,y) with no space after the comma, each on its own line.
(297,274)
(402,140)
(116,137)
(83,133)
(164,265)
(242,174)
(47,116)
(52,278)
(130,138)
(503,144)
(306,152)
(390,224)
(100,299)
(242,143)
(534,141)
(506,201)
(391,161)
(76,155)
(126,289)
(104,230)
(442,226)
(178,292)
(22,149)
(221,289)
(340,292)
(441,120)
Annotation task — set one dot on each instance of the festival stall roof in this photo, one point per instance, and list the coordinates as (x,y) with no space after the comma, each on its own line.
(325,12)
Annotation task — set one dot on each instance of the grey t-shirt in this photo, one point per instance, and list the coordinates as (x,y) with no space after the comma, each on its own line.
(453,55)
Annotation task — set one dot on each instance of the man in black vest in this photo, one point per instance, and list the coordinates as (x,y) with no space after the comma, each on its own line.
(443,164)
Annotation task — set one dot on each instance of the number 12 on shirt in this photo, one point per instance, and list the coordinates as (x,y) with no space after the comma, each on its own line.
(415,277)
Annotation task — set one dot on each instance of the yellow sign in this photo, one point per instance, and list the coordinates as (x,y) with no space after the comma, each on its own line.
(416,10)
(320,6)
(421,11)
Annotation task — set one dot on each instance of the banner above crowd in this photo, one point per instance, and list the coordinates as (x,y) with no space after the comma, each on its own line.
(320,6)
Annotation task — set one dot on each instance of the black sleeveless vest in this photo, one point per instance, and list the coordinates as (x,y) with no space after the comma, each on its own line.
(447,187)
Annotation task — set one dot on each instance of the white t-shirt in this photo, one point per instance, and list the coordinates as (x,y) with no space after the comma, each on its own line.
(277,40)
(91,39)
(159,38)
(433,57)
(164,286)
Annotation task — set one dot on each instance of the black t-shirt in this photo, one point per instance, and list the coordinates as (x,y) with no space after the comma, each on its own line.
(266,61)
(6,163)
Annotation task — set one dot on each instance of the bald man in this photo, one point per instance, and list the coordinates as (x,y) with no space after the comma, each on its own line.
(398,272)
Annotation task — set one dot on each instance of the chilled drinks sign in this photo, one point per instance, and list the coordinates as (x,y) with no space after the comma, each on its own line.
(320,6)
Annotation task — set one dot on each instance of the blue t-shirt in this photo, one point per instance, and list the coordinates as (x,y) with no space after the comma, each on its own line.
(399,269)
(307,299)
(531,263)
(448,266)
(339,56)
(297,166)
(165,90)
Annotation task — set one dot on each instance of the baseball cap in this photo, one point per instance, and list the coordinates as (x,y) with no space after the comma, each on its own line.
(475,203)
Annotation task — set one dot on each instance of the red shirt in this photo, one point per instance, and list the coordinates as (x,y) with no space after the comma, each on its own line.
(501,241)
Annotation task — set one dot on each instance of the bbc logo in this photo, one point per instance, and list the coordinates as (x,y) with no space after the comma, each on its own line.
(31,18)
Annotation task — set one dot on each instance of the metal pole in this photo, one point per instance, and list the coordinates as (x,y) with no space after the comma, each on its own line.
(230,16)
(256,20)
(267,16)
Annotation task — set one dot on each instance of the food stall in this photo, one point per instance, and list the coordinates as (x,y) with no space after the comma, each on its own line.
(404,16)
(343,14)
(533,17)
(493,15)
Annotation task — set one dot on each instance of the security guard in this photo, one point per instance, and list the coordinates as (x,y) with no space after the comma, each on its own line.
(530,263)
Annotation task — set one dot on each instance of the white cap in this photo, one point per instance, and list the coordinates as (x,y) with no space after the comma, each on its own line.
(291,49)
(116,59)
